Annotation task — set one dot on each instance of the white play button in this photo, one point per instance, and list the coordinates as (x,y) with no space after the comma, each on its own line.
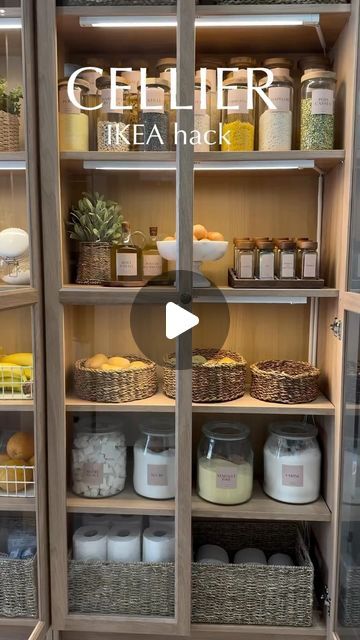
(178,320)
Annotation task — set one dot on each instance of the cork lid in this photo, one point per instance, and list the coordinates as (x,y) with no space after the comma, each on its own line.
(307,244)
(321,74)
(265,244)
(285,244)
(208,62)
(242,62)
(167,63)
(314,62)
(244,243)
(284,63)
(198,82)
(79,82)
(104,82)
(156,82)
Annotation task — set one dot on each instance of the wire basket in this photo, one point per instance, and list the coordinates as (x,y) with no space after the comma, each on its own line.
(17,481)
(16,382)
(284,381)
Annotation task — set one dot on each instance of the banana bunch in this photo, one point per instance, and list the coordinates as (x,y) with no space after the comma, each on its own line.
(15,369)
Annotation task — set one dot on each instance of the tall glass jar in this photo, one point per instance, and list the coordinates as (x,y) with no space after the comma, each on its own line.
(225,463)
(212,64)
(164,67)
(73,123)
(202,117)
(98,458)
(238,127)
(307,259)
(292,463)
(275,125)
(154,461)
(265,259)
(132,78)
(317,110)
(285,259)
(155,119)
(112,132)
(244,258)
(92,99)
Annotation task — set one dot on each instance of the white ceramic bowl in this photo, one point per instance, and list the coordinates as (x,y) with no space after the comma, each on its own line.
(13,242)
(203,250)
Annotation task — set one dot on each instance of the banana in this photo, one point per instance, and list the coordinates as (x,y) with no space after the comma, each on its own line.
(21,359)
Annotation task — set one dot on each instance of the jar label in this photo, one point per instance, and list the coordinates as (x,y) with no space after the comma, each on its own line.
(65,104)
(91,77)
(322,101)
(266,266)
(287,269)
(292,475)
(246,267)
(280,96)
(310,265)
(106,101)
(226,479)
(152,265)
(237,101)
(92,473)
(155,100)
(157,475)
(126,264)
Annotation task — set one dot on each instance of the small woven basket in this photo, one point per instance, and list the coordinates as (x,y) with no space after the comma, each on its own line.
(18,588)
(124,385)
(94,264)
(284,381)
(216,383)
(9,131)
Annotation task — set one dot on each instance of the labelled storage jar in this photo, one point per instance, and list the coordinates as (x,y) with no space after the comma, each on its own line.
(164,66)
(317,110)
(92,98)
(307,259)
(155,118)
(112,126)
(285,259)
(225,463)
(154,461)
(275,125)
(211,65)
(202,116)
(73,124)
(238,122)
(98,458)
(132,78)
(265,259)
(292,463)
(244,258)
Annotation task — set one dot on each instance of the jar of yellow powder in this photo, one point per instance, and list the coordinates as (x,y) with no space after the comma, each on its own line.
(73,124)
(225,463)
(237,120)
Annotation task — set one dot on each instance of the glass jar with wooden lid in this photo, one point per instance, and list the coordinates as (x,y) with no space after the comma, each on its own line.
(307,259)
(317,110)
(238,121)
(265,259)
(275,125)
(112,133)
(73,123)
(244,258)
(285,259)
(211,65)
(155,118)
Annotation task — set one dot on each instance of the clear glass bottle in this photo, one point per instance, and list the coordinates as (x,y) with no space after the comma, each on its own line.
(317,110)
(292,463)
(307,260)
(285,259)
(237,120)
(202,117)
(155,119)
(154,461)
(132,78)
(275,125)
(225,463)
(244,258)
(73,123)
(265,260)
(112,134)
(153,264)
(127,257)
(163,67)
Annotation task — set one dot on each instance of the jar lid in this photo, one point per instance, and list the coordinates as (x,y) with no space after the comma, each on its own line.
(156,82)
(294,430)
(284,63)
(198,82)
(277,78)
(314,62)
(236,78)
(244,244)
(265,244)
(285,244)
(161,428)
(104,82)
(321,74)
(132,78)
(307,244)
(166,62)
(243,61)
(229,431)
(79,82)
(208,62)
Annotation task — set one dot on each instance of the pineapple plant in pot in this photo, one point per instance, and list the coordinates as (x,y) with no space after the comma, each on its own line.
(10,108)
(96,224)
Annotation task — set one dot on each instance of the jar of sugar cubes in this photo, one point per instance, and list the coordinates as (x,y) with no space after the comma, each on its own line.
(98,460)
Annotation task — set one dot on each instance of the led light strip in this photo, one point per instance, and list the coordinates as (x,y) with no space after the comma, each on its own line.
(128,22)
(129,166)
(12,165)
(202,21)
(240,165)
(10,23)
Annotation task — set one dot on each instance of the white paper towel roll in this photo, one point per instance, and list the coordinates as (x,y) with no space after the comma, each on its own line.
(124,543)
(159,521)
(90,543)
(212,554)
(281,559)
(159,544)
(250,556)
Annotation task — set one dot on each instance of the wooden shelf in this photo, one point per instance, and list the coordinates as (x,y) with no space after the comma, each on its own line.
(126,502)
(8,503)
(158,402)
(16,405)
(11,297)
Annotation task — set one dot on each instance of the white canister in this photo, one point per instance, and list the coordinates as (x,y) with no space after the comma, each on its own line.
(292,463)
(154,461)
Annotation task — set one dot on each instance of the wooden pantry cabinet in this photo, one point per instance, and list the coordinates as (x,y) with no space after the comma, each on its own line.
(302,194)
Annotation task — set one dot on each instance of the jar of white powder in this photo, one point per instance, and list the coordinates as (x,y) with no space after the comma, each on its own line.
(292,463)
(275,124)
(154,461)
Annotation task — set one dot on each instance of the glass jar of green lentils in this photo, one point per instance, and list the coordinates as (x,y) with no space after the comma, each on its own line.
(317,109)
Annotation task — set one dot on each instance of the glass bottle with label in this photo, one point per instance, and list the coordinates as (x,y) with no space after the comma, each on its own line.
(153,263)
(275,125)
(307,259)
(285,259)
(244,254)
(112,130)
(202,116)
(317,110)
(73,123)
(238,128)
(155,118)
(127,261)
(265,261)
(154,461)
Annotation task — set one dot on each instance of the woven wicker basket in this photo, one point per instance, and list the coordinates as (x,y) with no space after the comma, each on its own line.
(253,594)
(9,131)
(113,3)
(349,599)
(284,381)
(94,264)
(274,1)
(218,383)
(115,386)
(18,588)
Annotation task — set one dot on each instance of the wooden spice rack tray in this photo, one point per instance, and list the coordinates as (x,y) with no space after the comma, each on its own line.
(237,283)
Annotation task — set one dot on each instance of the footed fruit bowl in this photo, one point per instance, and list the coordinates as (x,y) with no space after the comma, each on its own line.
(203,251)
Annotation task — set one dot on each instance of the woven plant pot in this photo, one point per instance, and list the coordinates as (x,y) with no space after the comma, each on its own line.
(9,131)
(284,381)
(124,385)
(18,588)
(94,264)
(217,383)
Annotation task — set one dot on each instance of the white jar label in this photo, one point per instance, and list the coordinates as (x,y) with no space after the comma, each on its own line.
(65,104)
(246,267)
(322,101)
(92,473)
(126,264)
(226,479)
(91,77)
(310,265)
(280,96)
(152,265)
(266,266)
(106,100)
(292,475)
(157,475)
(155,100)
(287,265)
(237,101)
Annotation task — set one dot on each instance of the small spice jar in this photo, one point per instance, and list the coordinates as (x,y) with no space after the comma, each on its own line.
(244,258)
(238,121)
(279,66)
(98,458)
(202,117)
(292,463)
(225,463)
(317,110)
(155,119)
(275,125)
(154,461)
(163,68)
(265,259)
(112,134)
(132,78)
(307,259)
(73,124)
(285,259)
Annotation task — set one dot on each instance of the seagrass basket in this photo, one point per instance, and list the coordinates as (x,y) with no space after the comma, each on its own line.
(18,588)
(94,263)
(250,593)
(274,1)
(124,385)
(113,3)
(284,381)
(9,131)
(210,383)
